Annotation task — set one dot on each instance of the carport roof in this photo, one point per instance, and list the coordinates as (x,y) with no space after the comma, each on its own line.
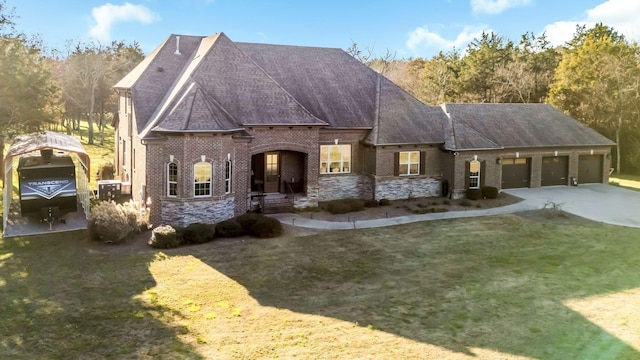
(25,144)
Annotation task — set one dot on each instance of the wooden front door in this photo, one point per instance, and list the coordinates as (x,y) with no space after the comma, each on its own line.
(272,172)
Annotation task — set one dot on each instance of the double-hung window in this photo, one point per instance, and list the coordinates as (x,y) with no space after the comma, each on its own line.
(335,159)
(202,179)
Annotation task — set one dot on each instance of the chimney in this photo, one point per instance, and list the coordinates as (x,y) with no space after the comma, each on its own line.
(177,46)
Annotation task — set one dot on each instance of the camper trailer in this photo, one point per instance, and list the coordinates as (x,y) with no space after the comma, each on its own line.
(47,184)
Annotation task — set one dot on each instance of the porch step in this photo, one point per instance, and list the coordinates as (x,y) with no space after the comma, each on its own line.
(277,205)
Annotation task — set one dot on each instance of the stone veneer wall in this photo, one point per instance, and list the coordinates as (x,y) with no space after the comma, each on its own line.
(406,187)
(308,200)
(185,212)
(344,187)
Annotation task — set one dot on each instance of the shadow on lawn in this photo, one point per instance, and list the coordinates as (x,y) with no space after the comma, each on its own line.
(60,299)
(435,283)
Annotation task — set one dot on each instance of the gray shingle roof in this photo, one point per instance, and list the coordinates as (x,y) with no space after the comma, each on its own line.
(403,119)
(494,126)
(216,85)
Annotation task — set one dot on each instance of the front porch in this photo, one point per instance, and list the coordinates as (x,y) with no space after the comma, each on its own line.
(278,181)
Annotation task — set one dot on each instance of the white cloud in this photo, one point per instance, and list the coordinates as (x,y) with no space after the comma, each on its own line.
(622,15)
(422,39)
(108,15)
(495,6)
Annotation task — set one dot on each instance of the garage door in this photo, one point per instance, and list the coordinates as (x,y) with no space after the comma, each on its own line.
(555,170)
(590,169)
(516,173)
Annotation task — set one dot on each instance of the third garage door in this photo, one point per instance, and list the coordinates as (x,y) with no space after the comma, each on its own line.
(515,173)
(590,169)
(555,170)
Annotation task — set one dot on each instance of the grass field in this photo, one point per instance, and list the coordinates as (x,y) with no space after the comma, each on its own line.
(628,181)
(504,287)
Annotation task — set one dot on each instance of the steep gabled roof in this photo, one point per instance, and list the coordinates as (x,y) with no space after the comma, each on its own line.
(494,126)
(403,119)
(328,82)
(220,89)
(150,81)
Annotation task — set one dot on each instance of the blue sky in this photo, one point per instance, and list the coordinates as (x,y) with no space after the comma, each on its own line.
(408,28)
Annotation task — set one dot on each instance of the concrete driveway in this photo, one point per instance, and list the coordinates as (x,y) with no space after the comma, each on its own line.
(598,202)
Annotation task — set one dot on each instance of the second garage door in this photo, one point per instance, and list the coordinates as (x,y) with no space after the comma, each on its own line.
(555,170)
(516,173)
(590,169)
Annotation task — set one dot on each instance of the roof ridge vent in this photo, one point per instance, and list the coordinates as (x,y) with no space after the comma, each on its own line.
(177,46)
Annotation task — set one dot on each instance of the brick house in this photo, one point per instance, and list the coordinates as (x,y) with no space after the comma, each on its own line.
(207,126)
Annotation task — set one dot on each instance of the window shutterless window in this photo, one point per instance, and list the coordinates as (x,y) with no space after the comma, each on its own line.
(202,179)
(227,177)
(335,159)
(172,180)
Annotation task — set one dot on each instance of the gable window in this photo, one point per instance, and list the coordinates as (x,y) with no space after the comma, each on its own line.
(335,159)
(202,179)
(227,177)
(474,174)
(409,163)
(172,180)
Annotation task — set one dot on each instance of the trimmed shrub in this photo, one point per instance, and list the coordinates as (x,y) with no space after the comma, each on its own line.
(115,223)
(267,227)
(164,237)
(355,204)
(105,171)
(338,207)
(474,194)
(180,233)
(371,203)
(229,228)
(199,233)
(247,221)
(465,203)
(344,206)
(489,192)
(384,202)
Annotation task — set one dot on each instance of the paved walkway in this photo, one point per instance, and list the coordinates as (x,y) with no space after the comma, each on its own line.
(297,220)
(598,202)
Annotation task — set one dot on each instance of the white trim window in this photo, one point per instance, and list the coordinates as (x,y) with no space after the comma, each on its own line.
(335,159)
(227,177)
(474,174)
(409,163)
(172,179)
(202,179)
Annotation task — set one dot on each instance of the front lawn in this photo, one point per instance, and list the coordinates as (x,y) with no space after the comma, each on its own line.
(482,288)
(628,181)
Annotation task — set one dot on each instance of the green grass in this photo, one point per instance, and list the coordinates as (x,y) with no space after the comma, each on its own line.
(627,181)
(98,153)
(477,288)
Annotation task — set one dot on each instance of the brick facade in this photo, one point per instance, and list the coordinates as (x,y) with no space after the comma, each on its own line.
(493,168)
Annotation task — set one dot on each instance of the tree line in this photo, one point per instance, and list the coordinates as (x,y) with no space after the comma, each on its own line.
(55,89)
(594,78)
